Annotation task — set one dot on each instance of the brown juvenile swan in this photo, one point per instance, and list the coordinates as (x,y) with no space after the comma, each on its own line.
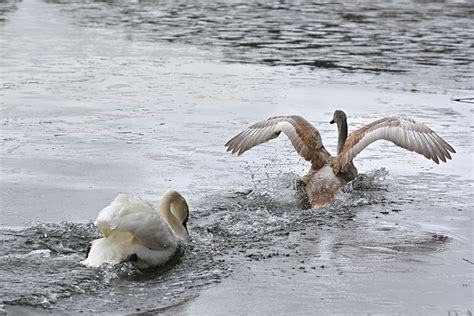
(329,174)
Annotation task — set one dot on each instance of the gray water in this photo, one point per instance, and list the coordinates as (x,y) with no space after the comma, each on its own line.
(99,99)
(367,36)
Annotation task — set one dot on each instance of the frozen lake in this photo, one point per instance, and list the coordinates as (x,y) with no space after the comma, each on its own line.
(100,99)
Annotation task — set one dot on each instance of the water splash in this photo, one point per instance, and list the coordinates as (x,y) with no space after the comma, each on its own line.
(39,264)
(39,267)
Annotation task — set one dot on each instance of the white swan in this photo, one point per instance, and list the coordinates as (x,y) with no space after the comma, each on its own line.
(329,174)
(132,229)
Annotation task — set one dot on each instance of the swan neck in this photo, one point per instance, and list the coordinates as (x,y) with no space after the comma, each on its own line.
(342,131)
(166,204)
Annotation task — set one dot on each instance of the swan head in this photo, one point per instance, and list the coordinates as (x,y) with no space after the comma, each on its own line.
(338,117)
(173,204)
(182,213)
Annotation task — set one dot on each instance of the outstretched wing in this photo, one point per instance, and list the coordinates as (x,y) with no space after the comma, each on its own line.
(302,134)
(403,132)
(134,217)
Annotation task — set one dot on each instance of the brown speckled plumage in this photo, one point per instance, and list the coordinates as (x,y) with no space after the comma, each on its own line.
(328,174)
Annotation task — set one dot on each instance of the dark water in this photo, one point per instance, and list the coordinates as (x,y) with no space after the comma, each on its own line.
(40,268)
(100,98)
(424,38)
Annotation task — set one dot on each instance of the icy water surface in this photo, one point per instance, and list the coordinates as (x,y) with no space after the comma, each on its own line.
(99,99)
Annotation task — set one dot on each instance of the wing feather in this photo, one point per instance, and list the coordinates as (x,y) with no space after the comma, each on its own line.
(403,132)
(302,134)
(130,214)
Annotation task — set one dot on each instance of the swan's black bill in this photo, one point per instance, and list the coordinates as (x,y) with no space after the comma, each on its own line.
(332,122)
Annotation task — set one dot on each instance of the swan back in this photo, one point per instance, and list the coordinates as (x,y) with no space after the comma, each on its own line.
(132,215)
(122,214)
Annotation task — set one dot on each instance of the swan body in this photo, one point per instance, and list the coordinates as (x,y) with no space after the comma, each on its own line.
(132,228)
(328,174)
(322,185)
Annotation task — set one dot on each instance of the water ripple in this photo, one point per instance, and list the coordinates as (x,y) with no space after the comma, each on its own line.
(370,36)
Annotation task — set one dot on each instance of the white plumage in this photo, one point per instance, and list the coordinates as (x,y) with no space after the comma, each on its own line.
(132,227)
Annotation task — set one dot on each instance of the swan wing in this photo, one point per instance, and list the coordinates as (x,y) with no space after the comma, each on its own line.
(401,131)
(132,215)
(115,250)
(302,134)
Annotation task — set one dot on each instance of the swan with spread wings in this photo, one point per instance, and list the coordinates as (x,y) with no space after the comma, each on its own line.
(329,174)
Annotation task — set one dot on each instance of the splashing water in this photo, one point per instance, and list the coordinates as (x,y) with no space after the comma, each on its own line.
(39,264)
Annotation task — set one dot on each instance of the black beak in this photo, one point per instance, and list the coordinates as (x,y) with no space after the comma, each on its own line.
(332,122)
